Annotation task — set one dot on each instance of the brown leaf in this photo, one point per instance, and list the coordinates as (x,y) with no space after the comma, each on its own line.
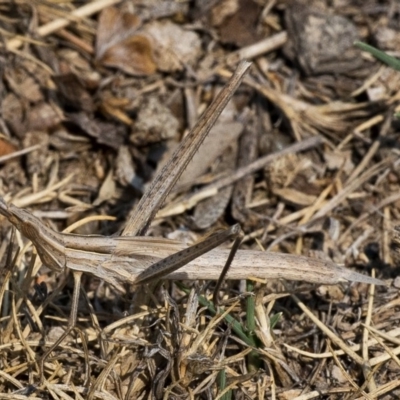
(222,10)
(73,91)
(107,190)
(240,28)
(115,108)
(6,148)
(23,84)
(208,211)
(119,45)
(125,170)
(174,47)
(220,138)
(106,133)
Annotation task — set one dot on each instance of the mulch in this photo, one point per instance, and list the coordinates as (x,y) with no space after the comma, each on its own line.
(95,96)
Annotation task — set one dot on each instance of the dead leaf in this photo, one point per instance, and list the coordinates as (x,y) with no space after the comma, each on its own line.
(174,47)
(73,91)
(115,108)
(107,133)
(332,292)
(208,211)
(338,375)
(6,148)
(22,83)
(125,170)
(107,190)
(220,138)
(119,45)
(222,10)
(290,394)
(223,135)
(241,26)
(339,160)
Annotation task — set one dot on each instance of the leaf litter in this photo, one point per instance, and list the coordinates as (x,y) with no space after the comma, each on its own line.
(78,81)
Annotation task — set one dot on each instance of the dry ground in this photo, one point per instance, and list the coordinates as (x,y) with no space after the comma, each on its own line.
(94,98)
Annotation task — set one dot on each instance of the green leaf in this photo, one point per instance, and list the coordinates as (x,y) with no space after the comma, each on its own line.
(380,55)
(222,385)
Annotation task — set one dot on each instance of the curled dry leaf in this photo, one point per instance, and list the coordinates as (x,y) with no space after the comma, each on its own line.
(339,160)
(108,133)
(107,190)
(119,45)
(125,170)
(208,211)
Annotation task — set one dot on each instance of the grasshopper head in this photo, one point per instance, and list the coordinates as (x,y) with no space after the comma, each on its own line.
(48,246)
